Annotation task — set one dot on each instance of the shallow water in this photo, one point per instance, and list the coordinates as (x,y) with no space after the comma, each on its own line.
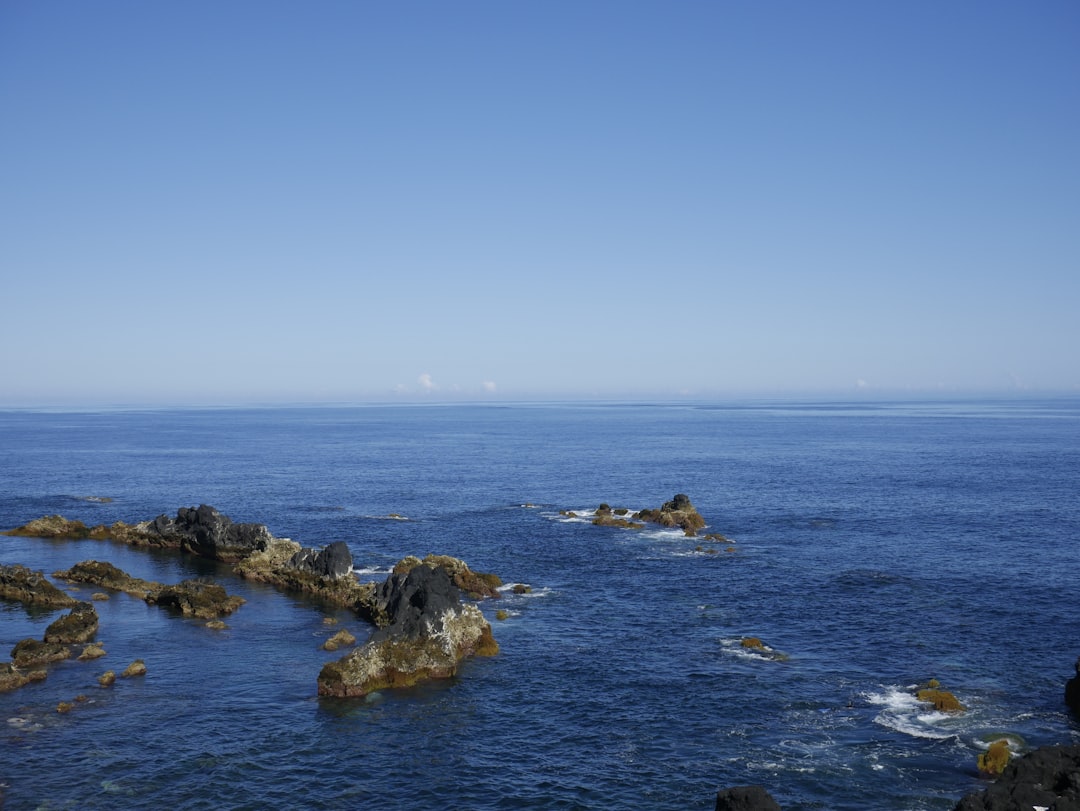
(877,546)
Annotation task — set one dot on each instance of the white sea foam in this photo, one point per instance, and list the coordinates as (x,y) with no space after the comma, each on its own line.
(508,589)
(373,572)
(903,712)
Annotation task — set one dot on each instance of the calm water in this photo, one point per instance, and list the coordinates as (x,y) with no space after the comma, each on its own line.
(877,546)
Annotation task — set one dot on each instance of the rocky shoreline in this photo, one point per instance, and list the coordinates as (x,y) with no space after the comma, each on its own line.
(423,629)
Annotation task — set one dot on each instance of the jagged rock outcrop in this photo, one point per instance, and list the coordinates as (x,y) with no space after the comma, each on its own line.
(51,526)
(206,532)
(1072,691)
(425,632)
(22,585)
(11,678)
(745,798)
(333,562)
(475,585)
(78,625)
(1048,777)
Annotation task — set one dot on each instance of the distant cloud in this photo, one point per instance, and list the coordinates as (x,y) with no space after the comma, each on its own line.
(861,384)
(488,386)
(426,383)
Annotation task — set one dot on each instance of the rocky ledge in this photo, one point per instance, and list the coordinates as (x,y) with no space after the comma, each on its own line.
(21,585)
(192,598)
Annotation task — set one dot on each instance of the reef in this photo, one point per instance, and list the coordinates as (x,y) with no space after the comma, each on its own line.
(422,635)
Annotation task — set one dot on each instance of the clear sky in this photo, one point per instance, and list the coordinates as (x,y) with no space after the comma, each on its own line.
(265,201)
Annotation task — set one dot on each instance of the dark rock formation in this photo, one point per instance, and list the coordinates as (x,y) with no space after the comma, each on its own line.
(1048,777)
(424,633)
(78,625)
(31,588)
(475,585)
(332,563)
(206,532)
(745,798)
(1072,691)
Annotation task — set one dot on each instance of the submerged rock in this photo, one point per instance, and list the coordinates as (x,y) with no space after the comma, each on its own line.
(425,632)
(745,798)
(1048,777)
(22,585)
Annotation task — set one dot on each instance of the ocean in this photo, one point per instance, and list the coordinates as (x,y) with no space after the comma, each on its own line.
(871,546)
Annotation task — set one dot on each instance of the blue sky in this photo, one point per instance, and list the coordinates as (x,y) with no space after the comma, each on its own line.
(207,202)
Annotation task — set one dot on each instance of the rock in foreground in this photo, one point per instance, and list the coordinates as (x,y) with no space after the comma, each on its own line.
(1048,777)
(745,798)
(426,632)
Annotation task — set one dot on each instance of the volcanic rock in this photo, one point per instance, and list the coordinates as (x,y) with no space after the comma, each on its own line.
(1048,777)
(331,563)
(206,532)
(51,526)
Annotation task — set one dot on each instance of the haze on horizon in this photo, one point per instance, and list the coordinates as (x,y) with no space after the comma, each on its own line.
(421,201)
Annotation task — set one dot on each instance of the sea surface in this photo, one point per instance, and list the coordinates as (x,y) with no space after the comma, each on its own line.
(871,546)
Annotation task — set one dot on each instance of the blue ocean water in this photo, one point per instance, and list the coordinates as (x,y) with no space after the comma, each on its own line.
(876,545)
